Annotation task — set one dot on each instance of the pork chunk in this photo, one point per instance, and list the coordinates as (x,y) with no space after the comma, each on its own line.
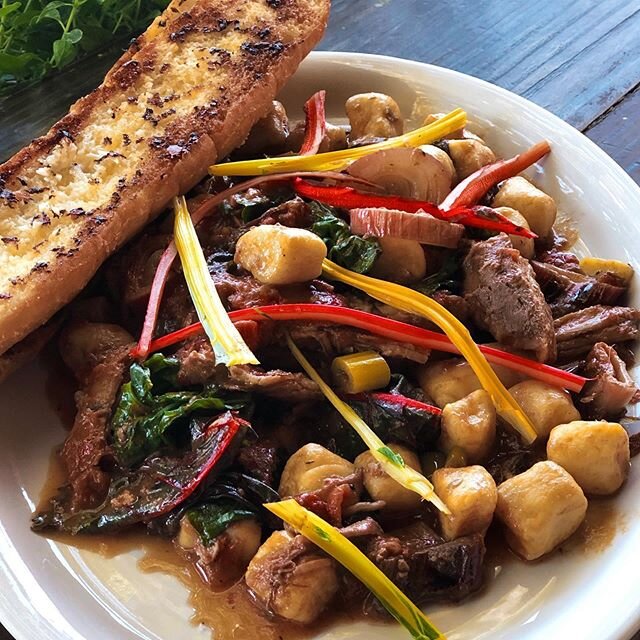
(505,298)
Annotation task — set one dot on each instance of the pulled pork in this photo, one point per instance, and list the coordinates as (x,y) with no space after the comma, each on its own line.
(612,388)
(567,291)
(577,332)
(86,450)
(336,339)
(423,565)
(504,297)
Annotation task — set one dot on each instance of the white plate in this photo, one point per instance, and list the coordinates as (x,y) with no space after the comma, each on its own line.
(52,591)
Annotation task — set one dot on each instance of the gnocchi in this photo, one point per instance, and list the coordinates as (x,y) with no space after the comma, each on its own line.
(596,454)
(381,486)
(307,469)
(470,424)
(546,406)
(538,208)
(470,494)
(280,255)
(540,509)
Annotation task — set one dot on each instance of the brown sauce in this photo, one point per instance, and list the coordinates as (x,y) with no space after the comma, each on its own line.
(597,533)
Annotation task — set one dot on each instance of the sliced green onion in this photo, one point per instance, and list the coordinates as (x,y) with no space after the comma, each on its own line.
(338,160)
(411,301)
(392,465)
(227,343)
(332,542)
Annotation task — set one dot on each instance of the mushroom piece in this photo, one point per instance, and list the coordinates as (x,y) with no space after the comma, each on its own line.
(373,116)
(269,134)
(407,172)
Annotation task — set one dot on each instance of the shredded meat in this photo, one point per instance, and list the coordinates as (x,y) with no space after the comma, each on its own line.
(338,339)
(457,305)
(561,259)
(423,565)
(567,291)
(198,366)
(504,297)
(197,362)
(612,388)
(335,495)
(292,387)
(577,332)
(261,460)
(361,528)
(86,449)
(293,213)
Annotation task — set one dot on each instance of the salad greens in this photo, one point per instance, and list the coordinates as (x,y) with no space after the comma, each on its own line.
(157,487)
(350,251)
(211,519)
(39,36)
(447,277)
(147,409)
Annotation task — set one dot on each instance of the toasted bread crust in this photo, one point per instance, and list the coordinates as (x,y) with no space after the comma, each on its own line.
(184,95)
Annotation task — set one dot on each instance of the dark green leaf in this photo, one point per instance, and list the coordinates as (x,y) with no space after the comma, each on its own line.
(211,519)
(146,410)
(9,9)
(447,277)
(348,250)
(243,491)
(415,428)
(15,64)
(54,33)
(155,488)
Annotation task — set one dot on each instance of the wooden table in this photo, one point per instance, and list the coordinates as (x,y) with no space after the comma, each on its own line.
(577,59)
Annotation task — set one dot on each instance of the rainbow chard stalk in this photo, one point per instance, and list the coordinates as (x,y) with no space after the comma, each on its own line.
(391,462)
(227,343)
(332,542)
(412,301)
(338,160)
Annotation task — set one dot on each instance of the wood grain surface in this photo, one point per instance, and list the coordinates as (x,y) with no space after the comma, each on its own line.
(578,59)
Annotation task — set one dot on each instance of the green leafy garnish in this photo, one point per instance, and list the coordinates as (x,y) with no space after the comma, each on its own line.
(147,408)
(211,519)
(447,277)
(394,457)
(38,36)
(353,252)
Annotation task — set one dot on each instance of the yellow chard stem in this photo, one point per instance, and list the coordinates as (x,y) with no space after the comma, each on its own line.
(338,160)
(227,343)
(332,542)
(392,463)
(411,301)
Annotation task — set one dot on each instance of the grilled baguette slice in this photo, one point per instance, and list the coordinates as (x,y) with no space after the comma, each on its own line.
(183,96)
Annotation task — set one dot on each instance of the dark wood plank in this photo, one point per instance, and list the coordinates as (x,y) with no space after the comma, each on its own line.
(576,58)
(618,133)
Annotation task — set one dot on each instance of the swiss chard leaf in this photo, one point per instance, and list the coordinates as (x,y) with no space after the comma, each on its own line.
(448,277)
(416,428)
(146,410)
(157,487)
(344,248)
(231,488)
(211,519)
